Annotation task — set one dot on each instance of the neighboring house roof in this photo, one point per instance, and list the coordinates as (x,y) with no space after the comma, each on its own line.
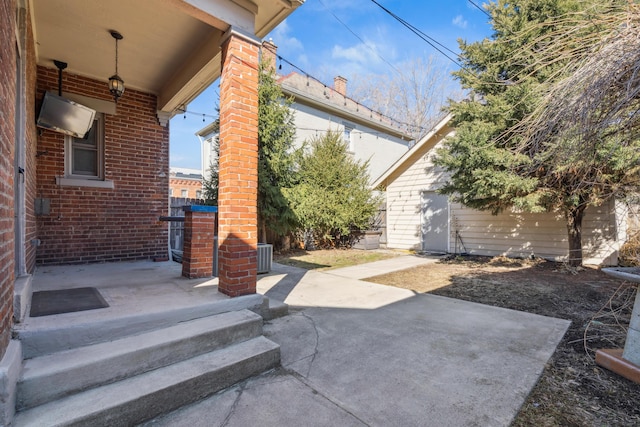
(209,130)
(307,90)
(419,149)
(185,173)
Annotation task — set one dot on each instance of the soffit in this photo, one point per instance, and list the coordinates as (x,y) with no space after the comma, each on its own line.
(168,45)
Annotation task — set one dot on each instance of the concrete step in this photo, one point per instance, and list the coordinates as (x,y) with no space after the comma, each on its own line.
(41,337)
(148,395)
(21,297)
(275,309)
(53,376)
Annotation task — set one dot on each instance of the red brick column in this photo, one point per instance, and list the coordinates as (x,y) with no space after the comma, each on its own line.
(199,234)
(238,186)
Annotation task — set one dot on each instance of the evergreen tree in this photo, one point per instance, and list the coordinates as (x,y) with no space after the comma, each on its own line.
(276,156)
(333,196)
(492,167)
(276,159)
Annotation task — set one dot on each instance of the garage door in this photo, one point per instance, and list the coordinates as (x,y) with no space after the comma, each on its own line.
(435,222)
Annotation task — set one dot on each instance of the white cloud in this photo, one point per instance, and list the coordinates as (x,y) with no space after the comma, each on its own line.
(282,38)
(459,21)
(356,53)
(361,53)
(349,61)
(281,31)
(303,60)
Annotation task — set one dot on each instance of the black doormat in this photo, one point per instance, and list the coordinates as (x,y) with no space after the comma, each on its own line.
(45,303)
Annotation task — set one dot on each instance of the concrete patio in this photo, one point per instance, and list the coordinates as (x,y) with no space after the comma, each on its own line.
(138,293)
(353,352)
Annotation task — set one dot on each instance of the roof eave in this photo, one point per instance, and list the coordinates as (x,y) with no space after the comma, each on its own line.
(415,149)
(303,98)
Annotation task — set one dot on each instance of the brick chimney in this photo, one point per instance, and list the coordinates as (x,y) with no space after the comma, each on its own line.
(269,54)
(340,85)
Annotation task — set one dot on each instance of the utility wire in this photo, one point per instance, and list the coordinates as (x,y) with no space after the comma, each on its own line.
(428,39)
(358,37)
(425,37)
(391,119)
(479,8)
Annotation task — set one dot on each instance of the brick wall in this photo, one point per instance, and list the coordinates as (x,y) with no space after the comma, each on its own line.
(199,239)
(94,224)
(31,145)
(191,185)
(7,146)
(238,190)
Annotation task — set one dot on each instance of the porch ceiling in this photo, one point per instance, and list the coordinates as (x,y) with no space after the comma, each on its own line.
(170,48)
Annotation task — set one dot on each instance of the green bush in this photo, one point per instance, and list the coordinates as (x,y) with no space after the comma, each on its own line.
(333,196)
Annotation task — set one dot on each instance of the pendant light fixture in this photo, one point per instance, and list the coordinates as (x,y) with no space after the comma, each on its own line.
(116,84)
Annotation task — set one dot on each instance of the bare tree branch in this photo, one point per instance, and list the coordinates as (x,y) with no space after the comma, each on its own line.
(416,96)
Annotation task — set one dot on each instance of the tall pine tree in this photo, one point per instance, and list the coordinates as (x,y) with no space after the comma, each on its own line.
(276,156)
(491,165)
(276,159)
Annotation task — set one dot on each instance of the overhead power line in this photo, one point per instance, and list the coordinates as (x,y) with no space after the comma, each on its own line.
(389,118)
(425,37)
(428,39)
(359,38)
(479,8)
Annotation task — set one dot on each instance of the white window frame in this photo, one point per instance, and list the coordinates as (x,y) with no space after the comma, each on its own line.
(347,136)
(82,180)
(70,142)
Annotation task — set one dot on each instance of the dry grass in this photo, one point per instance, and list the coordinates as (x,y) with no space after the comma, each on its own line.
(327,259)
(630,251)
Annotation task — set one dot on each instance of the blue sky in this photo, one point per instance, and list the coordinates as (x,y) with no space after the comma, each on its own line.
(319,39)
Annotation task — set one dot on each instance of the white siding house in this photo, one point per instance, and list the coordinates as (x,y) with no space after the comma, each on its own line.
(318,108)
(207,136)
(419,218)
(369,135)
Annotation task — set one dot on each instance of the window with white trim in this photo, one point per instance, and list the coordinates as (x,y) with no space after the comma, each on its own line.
(84,157)
(184,193)
(348,137)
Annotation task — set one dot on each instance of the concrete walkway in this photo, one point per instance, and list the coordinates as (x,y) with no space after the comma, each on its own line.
(361,354)
(384,266)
